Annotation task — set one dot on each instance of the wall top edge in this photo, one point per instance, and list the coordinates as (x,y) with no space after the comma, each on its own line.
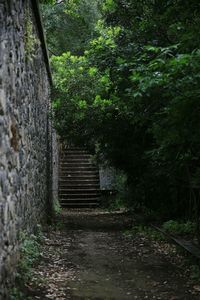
(38,18)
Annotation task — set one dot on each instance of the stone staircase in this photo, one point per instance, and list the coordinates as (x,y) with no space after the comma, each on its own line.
(78,179)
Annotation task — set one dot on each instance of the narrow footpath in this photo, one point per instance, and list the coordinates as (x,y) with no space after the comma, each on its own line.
(88,256)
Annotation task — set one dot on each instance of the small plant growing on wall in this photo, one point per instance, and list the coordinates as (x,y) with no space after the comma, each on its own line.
(30,247)
(31,41)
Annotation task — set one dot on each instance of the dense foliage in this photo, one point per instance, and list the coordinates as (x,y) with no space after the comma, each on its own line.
(69,24)
(134,94)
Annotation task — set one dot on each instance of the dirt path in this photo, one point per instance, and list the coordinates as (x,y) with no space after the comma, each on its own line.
(91,263)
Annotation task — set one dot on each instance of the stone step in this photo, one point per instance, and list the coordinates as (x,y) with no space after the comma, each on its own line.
(71,189)
(64,176)
(83,187)
(90,190)
(80,196)
(80,205)
(80,161)
(78,191)
(79,172)
(67,181)
(75,148)
(75,156)
(79,177)
(75,160)
(74,152)
(67,194)
(62,191)
(76,164)
(79,181)
(80,200)
(96,183)
(77,168)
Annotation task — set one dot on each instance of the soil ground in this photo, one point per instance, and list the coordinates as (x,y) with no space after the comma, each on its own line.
(88,256)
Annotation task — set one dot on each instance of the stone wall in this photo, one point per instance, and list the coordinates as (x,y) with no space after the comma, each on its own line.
(107,177)
(25,137)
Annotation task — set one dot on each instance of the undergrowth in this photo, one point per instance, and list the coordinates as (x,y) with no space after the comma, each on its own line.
(146,232)
(195,272)
(57,225)
(174,227)
(30,246)
(116,204)
(57,207)
(180,228)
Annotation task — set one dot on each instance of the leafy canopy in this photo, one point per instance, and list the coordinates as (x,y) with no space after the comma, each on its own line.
(132,91)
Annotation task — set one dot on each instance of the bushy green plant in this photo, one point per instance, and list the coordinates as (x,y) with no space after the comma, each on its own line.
(29,254)
(17,294)
(57,207)
(181,228)
(115,204)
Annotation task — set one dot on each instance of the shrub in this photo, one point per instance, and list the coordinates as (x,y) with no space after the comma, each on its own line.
(175,227)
